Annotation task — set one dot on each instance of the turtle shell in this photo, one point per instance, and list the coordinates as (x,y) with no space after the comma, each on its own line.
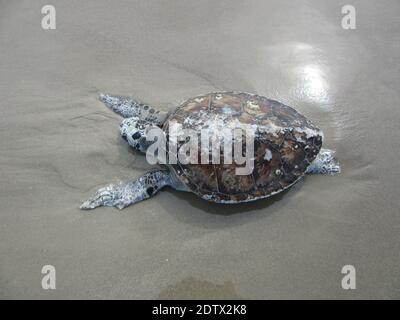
(285,143)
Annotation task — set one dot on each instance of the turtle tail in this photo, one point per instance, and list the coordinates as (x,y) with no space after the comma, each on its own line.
(324,163)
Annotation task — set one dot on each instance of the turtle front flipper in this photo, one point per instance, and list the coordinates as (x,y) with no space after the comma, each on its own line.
(125,194)
(128,108)
(324,163)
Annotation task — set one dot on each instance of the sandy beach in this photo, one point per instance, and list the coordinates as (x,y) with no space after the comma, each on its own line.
(59,144)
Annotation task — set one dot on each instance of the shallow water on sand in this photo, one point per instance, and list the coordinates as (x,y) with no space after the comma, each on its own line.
(59,144)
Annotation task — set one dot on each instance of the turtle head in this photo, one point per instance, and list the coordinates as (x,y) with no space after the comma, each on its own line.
(134,130)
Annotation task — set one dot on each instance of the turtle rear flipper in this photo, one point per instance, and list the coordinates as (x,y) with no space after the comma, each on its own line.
(324,163)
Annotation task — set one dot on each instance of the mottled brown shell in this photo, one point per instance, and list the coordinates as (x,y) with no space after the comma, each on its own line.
(285,143)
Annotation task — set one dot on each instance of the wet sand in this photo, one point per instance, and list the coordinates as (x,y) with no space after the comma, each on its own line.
(59,144)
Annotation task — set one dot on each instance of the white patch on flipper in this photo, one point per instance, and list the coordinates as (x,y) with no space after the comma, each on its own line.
(268,155)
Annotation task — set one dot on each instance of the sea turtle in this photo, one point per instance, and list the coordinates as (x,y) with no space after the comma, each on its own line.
(286,146)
